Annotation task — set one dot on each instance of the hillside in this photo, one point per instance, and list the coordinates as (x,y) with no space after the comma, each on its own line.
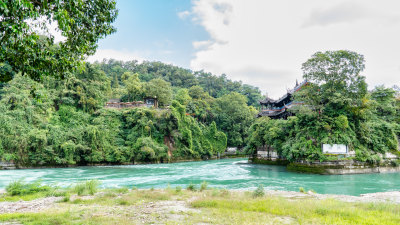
(63,121)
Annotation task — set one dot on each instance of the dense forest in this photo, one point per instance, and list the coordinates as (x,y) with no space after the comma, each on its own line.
(63,121)
(52,101)
(336,108)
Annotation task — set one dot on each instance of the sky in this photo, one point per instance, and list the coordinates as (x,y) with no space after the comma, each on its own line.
(260,42)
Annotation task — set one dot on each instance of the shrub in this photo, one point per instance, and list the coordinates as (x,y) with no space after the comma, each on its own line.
(191,187)
(88,187)
(302,190)
(66,198)
(395,163)
(80,188)
(92,186)
(21,188)
(123,202)
(259,192)
(203,186)
(178,189)
(56,193)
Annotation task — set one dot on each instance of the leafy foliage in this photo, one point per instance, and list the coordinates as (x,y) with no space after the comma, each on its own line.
(259,192)
(337,109)
(20,188)
(215,86)
(28,47)
(233,117)
(63,122)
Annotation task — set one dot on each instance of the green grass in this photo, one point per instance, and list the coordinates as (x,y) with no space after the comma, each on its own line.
(21,188)
(211,206)
(191,187)
(8,198)
(308,211)
(203,186)
(88,187)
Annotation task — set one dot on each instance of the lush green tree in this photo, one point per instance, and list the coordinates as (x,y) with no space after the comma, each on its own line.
(147,150)
(253,94)
(160,89)
(197,92)
(336,109)
(233,117)
(336,83)
(397,103)
(27,45)
(194,139)
(385,103)
(88,89)
(134,87)
(200,84)
(25,109)
(6,73)
(182,96)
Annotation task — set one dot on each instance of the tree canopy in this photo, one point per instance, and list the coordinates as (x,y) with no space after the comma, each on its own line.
(336,109)
(28,46)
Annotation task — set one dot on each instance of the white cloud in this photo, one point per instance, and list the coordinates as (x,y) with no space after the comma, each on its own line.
(114,54)
(183,14)
(264,42)
(202,44)
(342,13)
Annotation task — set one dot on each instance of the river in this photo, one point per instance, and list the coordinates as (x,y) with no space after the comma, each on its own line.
(225,173)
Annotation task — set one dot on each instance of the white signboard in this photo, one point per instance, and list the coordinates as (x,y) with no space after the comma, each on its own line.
(334,149)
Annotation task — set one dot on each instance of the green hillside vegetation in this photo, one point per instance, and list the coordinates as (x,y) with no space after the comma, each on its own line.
(64,122)
(337,109)
(52,102)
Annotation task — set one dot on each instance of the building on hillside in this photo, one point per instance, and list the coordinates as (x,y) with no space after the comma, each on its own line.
(278,109)
(117,104)
(151,102)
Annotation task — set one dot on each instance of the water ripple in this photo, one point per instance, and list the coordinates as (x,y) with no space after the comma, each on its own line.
(227,173)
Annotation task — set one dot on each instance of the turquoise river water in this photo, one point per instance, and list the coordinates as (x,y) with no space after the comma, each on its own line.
(225,173)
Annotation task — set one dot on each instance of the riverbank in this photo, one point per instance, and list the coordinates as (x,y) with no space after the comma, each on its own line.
(13,166)
(211,206)
(336,167)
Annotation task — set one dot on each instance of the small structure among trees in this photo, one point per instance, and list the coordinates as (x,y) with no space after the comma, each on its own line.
(117,104)
(278,109)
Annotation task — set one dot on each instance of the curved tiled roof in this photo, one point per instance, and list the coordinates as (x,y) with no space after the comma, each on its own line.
(267,100)
(288,94)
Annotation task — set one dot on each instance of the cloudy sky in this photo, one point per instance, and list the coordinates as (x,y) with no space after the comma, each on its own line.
(261,42)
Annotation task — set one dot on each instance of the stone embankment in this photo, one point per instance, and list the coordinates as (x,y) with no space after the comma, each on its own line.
(389,163)
(342,167)
(7,165)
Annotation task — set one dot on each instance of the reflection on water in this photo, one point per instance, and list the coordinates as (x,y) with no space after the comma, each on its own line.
(226,173)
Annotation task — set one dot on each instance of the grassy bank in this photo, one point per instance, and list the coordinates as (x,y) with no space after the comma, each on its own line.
(85,204)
